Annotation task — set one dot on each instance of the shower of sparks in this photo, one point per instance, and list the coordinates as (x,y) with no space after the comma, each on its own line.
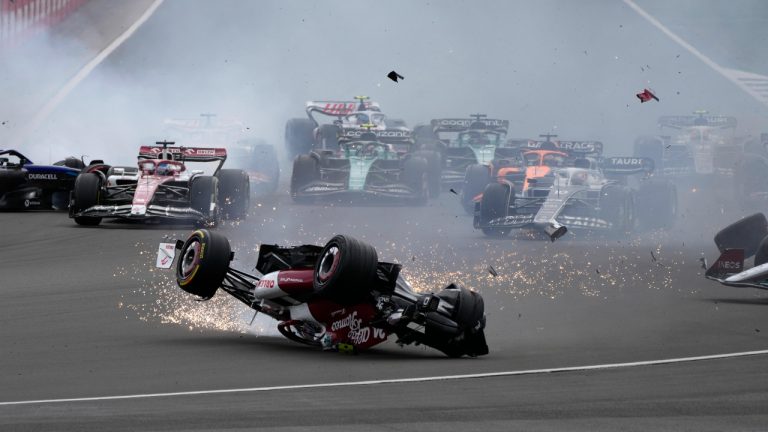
(568,266)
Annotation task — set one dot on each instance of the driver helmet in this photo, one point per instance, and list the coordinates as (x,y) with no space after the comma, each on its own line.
(478,138)
(579,178)
(361,118)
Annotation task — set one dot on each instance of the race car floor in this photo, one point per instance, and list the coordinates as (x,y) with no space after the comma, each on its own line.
(85,314)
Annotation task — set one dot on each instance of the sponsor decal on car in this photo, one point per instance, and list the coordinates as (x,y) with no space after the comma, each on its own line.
(350,321)
(37,176)
(266,283)
(626,161)
(356,133)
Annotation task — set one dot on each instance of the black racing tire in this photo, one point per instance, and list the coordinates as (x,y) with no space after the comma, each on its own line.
(202,193)
(305,171)
(744,234)
(299,136)
(416,177)
(86,194)
(476,178)
(234,197)
(617,207)
(329,137)
(495,203)
(651,147)
(656,204)
(468,312)
(761,256)
(203,263)
(434,170)
(345,269)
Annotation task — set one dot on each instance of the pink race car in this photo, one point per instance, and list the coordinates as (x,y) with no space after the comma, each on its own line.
(163,186)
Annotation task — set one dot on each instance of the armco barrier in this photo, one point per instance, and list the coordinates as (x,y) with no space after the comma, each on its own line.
(19,19)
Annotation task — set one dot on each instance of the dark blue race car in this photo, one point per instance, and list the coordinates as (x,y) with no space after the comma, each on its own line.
(25,185)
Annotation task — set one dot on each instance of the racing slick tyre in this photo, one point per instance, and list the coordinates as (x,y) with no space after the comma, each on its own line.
(650,147)
(305,171)
(299,136)
(465,336)
(656,204)
(203,196)
(329,137)
(345,270)
(495,203)
(203,263)
(434,170)
(86,194)
(617,207)
(745,234)
(476,179)
(234,197)
(416,177)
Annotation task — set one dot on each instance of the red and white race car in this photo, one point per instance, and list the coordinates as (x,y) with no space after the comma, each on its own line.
(163,186)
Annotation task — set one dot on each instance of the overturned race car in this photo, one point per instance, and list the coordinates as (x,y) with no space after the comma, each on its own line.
(336,297)
(737,242)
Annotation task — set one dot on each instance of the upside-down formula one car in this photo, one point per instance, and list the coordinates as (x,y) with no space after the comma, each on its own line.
(336,297)
(163,186)
(365,169)
(592,195)
(736,242)
(25,185)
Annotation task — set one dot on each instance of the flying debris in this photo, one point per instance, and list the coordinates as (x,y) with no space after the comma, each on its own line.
(394,76)
(492,271)
(646,95)
(453,191)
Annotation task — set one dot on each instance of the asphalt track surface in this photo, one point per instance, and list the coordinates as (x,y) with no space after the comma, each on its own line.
(84,314)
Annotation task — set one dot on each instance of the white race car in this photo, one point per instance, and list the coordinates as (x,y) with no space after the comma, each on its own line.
(592,195)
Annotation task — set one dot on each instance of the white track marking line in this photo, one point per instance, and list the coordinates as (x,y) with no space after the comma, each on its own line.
(724,72)
(51,105)
(396,380)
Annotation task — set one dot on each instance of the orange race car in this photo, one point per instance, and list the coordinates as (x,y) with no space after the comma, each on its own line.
(533,167)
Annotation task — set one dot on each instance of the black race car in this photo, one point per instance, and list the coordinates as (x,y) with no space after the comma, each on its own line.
(26,185)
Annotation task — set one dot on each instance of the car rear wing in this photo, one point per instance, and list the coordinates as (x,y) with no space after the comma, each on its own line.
(463,124)
(573,148)
(338,108)
(185,154)
(679,122)
(388,136)
(627,165)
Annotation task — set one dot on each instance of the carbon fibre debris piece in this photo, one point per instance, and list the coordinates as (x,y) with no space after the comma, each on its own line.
(394,76)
